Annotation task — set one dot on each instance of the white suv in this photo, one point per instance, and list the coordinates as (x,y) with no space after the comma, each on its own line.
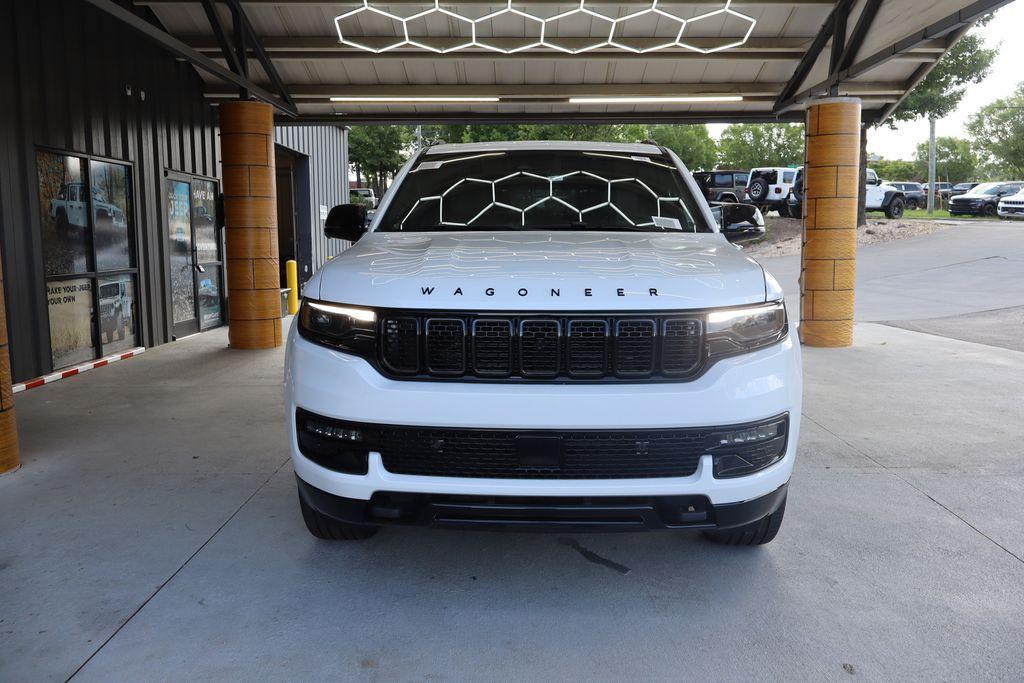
(544,335)
(1012,206)
(770,188)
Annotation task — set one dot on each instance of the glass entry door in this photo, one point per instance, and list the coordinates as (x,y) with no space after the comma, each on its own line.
(195,262)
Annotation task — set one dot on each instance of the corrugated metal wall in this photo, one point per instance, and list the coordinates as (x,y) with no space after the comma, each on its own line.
(75,79)
(327,150)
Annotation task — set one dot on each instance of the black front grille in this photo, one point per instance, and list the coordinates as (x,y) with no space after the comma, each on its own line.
(541,347)
(487,453)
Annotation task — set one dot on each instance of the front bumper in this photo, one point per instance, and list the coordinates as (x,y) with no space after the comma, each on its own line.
(966,210)
(541,514)
(747,388)
(1011,211)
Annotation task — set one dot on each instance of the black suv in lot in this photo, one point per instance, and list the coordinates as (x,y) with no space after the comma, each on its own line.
(722,186)
(983,200)
(913,194)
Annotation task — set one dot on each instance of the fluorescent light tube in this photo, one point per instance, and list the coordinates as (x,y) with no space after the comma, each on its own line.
(656,100)
(413,99)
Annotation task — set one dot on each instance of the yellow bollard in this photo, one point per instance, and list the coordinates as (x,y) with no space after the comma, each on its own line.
(292,274)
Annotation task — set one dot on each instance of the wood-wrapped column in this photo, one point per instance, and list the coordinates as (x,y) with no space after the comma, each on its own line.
(250,217)
(9,459)
(829,253)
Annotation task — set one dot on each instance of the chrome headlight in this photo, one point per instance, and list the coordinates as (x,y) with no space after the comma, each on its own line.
(342,327)
(740,330)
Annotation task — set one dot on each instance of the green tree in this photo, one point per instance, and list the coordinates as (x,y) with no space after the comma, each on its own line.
(955,161)
(378,152)
(896,170)
(585,132)
(751,145)
(941,92)
(693,144)
(997,132)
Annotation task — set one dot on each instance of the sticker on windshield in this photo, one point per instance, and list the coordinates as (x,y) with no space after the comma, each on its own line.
(667,223)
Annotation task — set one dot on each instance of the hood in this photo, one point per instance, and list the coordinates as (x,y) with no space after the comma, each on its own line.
(541,271)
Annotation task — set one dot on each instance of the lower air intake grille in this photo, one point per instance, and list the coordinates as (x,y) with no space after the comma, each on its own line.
(586,455)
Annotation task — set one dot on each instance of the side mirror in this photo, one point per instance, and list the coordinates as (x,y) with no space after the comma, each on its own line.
(346,222)
(739,222)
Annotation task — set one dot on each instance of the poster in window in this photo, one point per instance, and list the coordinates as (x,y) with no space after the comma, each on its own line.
(117,313)
(111,211)
(179,226)
(204,220)
(71,321)
(64,213)
(209,298)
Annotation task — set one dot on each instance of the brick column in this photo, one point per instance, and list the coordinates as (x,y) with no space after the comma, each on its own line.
(8,425)
(829,253)
(250,216)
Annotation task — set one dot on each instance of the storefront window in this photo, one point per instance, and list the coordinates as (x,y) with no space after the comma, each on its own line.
(71,321)
(204,212)
(88,256)
(209,298)
(117,313)
(179,226)
(64,214)
(111,206)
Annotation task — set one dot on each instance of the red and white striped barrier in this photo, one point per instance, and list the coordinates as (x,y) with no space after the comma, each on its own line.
(77,370)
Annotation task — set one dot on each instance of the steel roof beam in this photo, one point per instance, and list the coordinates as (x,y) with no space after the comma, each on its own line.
(951,24)
(856,39)
(321,3)
(321,43)
(803,69)
(559,91)
(199,60)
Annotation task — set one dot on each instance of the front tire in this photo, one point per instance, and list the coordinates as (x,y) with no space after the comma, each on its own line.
(756,533)
(896,208)
(990,211)
(329,529)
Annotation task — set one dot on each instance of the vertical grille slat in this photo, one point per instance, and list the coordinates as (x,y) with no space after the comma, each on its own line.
(446,345)
(539,345)
(588,342)
(492,347)
(523,347)
(681,341)
(400,344)
(634,347)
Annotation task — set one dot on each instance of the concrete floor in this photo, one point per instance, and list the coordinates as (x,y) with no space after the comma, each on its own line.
(154,532)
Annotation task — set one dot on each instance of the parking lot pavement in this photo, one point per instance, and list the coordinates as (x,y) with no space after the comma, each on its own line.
(154,533)
(974,266)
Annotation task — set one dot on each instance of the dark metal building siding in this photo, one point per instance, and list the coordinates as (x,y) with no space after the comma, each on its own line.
(67,70)
(327,150)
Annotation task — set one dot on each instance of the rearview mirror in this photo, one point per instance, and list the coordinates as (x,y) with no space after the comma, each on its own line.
(346,222)
(739,222)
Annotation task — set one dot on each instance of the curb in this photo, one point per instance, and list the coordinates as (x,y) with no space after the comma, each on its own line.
(77,370)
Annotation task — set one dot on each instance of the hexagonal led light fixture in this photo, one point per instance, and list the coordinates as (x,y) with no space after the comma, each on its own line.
(545,25)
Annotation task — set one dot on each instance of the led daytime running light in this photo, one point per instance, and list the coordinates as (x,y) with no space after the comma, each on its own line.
(360,314)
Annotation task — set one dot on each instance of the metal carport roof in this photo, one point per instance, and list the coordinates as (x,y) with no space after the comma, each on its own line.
(530,60)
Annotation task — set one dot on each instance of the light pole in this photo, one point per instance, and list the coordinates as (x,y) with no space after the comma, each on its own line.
(931,166)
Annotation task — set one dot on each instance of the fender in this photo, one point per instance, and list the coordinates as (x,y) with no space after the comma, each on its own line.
(889,196)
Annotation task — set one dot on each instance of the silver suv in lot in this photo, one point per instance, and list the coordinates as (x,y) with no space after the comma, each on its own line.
(545,335)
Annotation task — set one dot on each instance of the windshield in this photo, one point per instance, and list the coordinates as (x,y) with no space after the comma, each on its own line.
(986,188)
(543,190)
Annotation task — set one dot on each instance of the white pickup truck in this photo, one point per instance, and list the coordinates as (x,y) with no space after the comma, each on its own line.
(544,335)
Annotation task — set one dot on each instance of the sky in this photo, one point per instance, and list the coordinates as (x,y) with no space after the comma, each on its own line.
(1007,72)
